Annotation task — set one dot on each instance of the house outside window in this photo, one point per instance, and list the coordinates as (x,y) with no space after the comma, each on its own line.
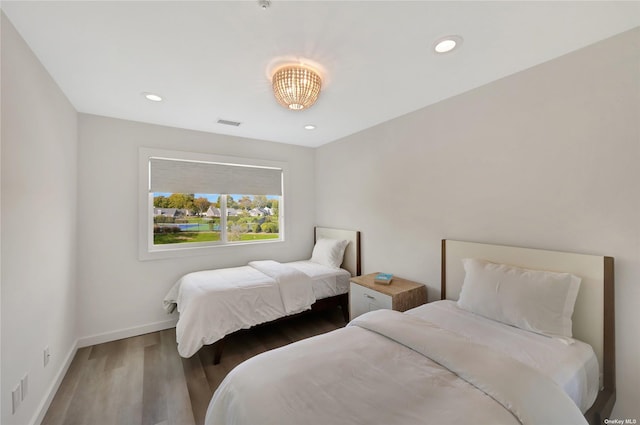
(200,201)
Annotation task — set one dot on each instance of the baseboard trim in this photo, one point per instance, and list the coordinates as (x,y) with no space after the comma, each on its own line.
(126,333)
(41,411)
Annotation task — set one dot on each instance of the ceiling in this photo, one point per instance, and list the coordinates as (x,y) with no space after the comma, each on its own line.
(210,60)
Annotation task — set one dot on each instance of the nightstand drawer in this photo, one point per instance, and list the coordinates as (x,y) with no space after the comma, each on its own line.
(363,300)
(365,295)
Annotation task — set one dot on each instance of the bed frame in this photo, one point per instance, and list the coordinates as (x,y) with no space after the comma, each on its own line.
(593,318)
(351,263)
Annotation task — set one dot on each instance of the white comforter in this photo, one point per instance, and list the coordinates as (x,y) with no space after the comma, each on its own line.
(214,303)
(574,366)
(389,368)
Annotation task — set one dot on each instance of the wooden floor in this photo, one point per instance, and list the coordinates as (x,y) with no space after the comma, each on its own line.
(143,380)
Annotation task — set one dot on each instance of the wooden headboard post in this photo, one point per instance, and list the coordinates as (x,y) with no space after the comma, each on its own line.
(602,407)
(443,268)
(593,318)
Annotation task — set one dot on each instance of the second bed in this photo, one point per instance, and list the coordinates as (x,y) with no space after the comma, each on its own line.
(216,303)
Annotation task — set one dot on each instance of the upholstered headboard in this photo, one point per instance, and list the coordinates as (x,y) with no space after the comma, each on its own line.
(351,260)
(593,317)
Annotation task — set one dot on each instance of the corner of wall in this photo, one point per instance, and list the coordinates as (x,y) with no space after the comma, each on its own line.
(39,281)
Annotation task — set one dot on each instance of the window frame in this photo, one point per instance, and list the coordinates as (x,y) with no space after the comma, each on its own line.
(147,250)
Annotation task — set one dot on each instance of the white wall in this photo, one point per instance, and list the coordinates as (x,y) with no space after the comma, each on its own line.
(546,158)
(119,295)
(39,158)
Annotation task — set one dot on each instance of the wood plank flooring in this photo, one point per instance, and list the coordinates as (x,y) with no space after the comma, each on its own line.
(143,380)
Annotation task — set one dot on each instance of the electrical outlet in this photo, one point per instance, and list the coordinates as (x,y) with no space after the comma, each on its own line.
(47,356)
(24,386)
(15,398)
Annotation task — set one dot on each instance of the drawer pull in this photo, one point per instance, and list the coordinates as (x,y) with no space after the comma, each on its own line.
(369,296)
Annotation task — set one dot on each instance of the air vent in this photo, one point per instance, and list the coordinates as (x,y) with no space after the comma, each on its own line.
(227,122)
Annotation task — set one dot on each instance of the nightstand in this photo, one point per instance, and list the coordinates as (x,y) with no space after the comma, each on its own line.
(401,295)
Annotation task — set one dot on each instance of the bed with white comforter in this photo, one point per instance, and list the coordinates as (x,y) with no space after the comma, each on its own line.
(434,364)
(215,303)
(521,335)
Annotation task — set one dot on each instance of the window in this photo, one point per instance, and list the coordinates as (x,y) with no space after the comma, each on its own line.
(189,218)
(195,201)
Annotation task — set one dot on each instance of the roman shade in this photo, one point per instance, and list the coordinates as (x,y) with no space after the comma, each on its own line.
(183,176)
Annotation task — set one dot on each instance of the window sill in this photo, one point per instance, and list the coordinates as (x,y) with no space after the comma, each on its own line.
(160,253)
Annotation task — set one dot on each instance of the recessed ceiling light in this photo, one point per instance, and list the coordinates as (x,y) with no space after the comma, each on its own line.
(447,44)
(153,97)
(309,127)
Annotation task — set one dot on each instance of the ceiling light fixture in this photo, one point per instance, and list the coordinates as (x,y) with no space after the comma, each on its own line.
(309,127)
(447,44)
(153,97)
(296,87)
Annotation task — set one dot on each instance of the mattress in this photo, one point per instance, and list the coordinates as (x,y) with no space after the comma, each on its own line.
(215,303)
(388,367)
(574,366)
(326,281)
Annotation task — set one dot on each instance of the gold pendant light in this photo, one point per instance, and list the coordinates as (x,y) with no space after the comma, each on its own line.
(296,87)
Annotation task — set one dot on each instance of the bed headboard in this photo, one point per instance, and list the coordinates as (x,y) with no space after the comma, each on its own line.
(593,317)
(351,260)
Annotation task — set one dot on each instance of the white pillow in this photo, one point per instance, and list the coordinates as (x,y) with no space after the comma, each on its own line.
(329,252)
(534,300)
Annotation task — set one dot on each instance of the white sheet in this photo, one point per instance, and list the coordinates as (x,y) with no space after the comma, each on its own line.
(295,286)
(327,281)
(354,376)
(533,397)
(573,367)
(215,303)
